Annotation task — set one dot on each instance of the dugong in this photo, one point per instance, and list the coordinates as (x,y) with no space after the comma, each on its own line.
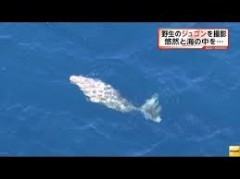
(100,92)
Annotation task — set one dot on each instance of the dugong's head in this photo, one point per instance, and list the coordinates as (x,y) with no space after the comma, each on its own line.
(76,79)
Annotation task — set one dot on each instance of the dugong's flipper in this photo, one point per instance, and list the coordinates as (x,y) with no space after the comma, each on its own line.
(151,109)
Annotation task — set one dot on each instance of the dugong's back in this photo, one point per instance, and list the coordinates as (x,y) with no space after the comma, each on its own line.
(100,92)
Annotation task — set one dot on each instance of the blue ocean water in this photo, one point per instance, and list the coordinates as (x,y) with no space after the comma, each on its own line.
(42,114)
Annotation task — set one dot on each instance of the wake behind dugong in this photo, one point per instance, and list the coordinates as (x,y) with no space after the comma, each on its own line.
(99,92)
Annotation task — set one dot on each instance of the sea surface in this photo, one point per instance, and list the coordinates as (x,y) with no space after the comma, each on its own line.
(43,114)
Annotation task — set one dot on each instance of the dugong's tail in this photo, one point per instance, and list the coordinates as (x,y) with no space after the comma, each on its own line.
(151,109)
